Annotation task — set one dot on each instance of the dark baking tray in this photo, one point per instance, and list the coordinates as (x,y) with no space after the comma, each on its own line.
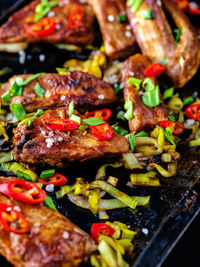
(172,207)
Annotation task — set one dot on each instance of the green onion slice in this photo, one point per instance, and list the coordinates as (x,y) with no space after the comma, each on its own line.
(31,78)
(128,106)
(134,5)
(148,14)
(43,8)
(23,175)
(178,33)
(168,93)
(135,82)
(39,90)
(93,121)
(37,114)
(188,100)
(47,173)
(18,110)
(49,203)
(71,108)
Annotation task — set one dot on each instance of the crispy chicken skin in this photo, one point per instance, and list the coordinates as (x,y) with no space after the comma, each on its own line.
(53,241)
(13,31)
(118,37)
(143,116)
(156,40)
(84,89)
(38,144)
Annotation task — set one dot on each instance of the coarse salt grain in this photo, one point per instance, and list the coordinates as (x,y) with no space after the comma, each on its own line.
(60,138)
(22,56)
(62,97)
(65,235)
(49,142)
(50,188)
(58,26)
(145,231)
(128,27)
(111,18)
(128,34)
(101,97)
(51,14)
(41,57)
(131,73)
(17,208)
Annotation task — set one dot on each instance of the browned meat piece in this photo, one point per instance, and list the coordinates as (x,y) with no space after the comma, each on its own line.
(13,31)
(84,89)
(156,40)
(53,240)
(118,37)
(143,116)
(40,145)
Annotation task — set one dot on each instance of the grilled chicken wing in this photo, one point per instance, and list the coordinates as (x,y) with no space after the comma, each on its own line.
(156,40)
(14,30)
(53,240)
(118,37)
(38,144)
(143,116)
(84,89)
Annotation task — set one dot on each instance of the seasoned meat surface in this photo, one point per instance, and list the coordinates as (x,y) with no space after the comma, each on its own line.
(84,89)
(13,31)
(143,116)
(118,37)
(53,241)
(38,144)
(156,40)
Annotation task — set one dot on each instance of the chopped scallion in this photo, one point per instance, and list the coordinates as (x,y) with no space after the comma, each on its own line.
(135,82)
(120,115)
(49,203)
(121,18)
(47,173)
(188,101)
(119,130)
(164,61)
(128,106)
(23,175)
(31,78)
(178,33)
(181,61)
(131,140)
(38,113)
(75,118)
(168,93)
(93,121)
(172,118)
(148,14)
(18,110)
(39,90)
(134,5)
(71,108)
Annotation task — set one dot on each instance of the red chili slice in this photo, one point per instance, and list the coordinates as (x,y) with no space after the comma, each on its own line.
(155,70)
(101,228)
(57,179)
(23,191)
(103,114)
(193,112)
(102,132)
(175,126)
(76,18)
(189,7)
(44,27)
(63,125)
(10,217)
(183,4)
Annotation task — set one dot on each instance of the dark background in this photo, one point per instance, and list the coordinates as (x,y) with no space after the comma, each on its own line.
(187,250)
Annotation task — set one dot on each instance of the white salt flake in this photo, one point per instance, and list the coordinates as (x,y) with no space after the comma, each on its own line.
(62,97)
(111,18)
(49,142)
(51,14)
(50,188)
(101,96)
(60,138)
(65,235)
(41,57)
(17,208)
(145,231)
(22,56)
(128,34)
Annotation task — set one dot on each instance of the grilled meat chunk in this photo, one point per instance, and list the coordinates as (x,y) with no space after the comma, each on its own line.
(158,32)
(14,30)
(53,240)
(143,116)
(38,144)
(118,37)
(84,89)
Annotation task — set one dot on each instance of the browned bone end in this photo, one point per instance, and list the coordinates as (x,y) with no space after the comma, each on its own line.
(13,31)
(118,37)
(143,116)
